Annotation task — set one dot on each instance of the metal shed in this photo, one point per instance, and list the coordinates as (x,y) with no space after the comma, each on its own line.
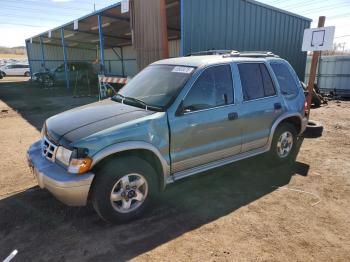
(104,37)
(333,74)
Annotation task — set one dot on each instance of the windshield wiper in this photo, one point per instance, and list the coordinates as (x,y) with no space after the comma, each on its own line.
(138,101)
(147,106)
(120,98)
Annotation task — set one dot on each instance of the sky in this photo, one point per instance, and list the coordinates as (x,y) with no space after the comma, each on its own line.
(21,19)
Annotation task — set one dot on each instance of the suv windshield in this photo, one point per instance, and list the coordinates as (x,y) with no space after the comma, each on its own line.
(156,85)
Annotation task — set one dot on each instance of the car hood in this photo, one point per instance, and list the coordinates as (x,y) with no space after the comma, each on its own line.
(81,122)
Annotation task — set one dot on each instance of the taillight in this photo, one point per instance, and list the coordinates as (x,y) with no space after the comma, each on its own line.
(305,107)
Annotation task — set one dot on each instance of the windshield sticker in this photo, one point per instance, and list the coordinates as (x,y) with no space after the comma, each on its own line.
(182,69)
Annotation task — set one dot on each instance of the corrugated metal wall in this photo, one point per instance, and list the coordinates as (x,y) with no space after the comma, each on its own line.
(333,74)
(243,25)
(54,56)
(114,64)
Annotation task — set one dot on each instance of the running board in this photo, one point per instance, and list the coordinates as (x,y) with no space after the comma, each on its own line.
(199,169)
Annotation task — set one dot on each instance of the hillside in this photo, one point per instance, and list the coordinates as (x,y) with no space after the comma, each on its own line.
(18,50)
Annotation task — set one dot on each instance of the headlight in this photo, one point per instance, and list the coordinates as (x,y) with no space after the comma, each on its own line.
(63,155)
(77,161)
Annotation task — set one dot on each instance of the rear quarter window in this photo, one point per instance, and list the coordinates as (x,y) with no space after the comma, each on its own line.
(285,78)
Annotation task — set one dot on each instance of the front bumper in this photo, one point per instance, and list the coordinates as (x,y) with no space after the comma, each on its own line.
(71,189)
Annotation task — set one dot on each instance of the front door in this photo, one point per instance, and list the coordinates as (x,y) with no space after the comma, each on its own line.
(208,128)
(10,70)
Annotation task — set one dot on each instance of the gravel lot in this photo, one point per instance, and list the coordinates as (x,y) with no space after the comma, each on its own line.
(234,213)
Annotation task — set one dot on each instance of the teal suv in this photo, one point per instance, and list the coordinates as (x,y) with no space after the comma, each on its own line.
(176,118)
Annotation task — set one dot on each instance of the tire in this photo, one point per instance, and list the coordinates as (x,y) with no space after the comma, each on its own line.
(284,140)
(26,74)
(313,130)
(109,181)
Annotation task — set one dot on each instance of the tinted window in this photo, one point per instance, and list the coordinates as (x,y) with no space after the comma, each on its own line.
(285,79)
(269,89)
(256,81)
(252,85)
(213,88)
(60,68)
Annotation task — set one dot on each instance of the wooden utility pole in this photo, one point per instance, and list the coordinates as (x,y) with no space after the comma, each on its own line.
(313,69)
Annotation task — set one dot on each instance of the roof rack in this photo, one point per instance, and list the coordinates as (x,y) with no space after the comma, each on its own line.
(211,52)
(254,54)
(234,53)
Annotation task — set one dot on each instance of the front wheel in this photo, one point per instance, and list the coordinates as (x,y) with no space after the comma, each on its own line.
(284,143)
(123,189)
(27,74)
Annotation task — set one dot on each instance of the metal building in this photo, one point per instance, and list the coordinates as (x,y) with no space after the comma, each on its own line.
(104,37)
(333,74)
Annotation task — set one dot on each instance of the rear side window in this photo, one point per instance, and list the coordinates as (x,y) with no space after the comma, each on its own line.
(285,79)
(256,81)
(212,88)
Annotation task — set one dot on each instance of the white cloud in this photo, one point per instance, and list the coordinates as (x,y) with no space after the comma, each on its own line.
(16,35)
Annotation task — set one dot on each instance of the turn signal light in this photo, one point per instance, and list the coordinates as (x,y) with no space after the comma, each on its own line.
(79,166)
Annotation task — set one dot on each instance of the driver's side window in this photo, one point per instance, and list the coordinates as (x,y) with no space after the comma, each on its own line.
(213,88)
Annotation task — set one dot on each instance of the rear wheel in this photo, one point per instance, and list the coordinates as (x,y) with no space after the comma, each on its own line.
(284,143)
(26,74)
(123,189)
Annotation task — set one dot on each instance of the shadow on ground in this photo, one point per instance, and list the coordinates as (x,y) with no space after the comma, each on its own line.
(35,103)
(40,227)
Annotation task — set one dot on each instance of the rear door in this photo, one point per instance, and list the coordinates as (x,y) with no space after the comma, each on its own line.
(209,129)
(21,69)
(261,104)
(17,70)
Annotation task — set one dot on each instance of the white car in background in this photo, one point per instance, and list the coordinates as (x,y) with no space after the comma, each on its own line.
(16,70)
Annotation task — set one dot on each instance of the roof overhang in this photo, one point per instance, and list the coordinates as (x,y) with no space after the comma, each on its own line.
(116,28)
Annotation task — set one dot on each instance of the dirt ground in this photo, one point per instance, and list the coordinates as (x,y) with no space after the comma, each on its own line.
(247,211)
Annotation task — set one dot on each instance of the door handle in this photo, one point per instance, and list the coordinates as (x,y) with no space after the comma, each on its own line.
(277,106)
(232,116)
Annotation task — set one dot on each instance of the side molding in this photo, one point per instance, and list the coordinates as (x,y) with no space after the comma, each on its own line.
(132,145)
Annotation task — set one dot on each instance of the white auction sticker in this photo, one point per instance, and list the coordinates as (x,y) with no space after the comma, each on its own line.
(182,69)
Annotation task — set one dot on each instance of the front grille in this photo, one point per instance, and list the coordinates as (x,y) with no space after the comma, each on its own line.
(48,149)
